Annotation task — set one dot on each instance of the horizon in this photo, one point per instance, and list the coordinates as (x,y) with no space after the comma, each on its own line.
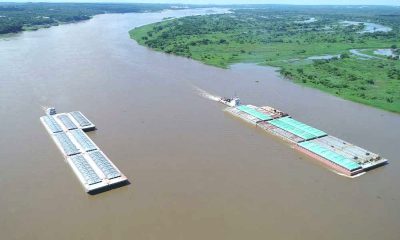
(232,2)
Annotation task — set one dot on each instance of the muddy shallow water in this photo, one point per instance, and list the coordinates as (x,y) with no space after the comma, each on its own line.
(195,171)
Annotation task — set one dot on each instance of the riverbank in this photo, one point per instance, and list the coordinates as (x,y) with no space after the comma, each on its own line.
(18,17)
(314,53)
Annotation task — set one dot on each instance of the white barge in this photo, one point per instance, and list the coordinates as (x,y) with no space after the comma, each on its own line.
(92,167)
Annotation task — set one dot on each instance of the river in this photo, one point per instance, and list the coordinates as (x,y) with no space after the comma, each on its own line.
(195,171)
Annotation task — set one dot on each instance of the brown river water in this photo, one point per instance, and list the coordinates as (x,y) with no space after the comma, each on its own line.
(195,171)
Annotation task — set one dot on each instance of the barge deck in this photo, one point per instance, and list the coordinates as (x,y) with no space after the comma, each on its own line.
(92,167)
(333,152)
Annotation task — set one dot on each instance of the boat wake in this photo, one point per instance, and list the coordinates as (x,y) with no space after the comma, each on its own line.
(344,175)
(206,94)
(44,107)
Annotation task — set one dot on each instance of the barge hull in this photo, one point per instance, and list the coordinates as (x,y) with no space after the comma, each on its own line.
(328,163)
(333,152)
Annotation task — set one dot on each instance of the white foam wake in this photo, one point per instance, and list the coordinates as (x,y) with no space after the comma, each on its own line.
(44,107)
(206,94)
(344,175)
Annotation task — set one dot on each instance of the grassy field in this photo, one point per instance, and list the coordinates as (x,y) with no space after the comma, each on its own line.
(286,37)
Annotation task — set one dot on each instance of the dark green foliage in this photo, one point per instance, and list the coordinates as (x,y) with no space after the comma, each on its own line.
(344,55)
(280,36)
(15,17)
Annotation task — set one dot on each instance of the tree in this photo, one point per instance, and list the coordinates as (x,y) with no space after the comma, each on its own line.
(344,55)
(370,81)
(300,71)
(223,41)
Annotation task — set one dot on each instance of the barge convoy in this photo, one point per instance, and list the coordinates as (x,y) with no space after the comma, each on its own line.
(92,167)
(339,155)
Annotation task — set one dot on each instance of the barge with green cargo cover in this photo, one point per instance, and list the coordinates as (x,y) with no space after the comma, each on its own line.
(337,154)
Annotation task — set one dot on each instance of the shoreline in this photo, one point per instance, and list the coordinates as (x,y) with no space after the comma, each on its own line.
(371,93)
(277,69)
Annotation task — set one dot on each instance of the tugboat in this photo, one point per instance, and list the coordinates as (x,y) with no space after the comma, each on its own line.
(231,102)
(50,111)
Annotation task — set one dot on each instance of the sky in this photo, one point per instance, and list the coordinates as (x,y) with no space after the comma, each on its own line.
(305,2)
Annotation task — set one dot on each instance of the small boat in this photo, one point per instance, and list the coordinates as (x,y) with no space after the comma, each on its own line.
(50,111)
(231,102)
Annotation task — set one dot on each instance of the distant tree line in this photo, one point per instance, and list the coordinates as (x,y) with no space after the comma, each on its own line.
(15,17)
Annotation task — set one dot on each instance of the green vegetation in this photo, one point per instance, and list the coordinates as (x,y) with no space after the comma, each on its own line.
(16,17)
(285,37)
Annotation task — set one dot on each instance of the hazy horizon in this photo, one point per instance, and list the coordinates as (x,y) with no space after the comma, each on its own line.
(216,2)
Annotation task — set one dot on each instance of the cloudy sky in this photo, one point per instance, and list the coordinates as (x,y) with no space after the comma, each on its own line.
(315,2)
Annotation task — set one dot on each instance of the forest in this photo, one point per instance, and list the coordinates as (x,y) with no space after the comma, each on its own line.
(16,17)
(348,51)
